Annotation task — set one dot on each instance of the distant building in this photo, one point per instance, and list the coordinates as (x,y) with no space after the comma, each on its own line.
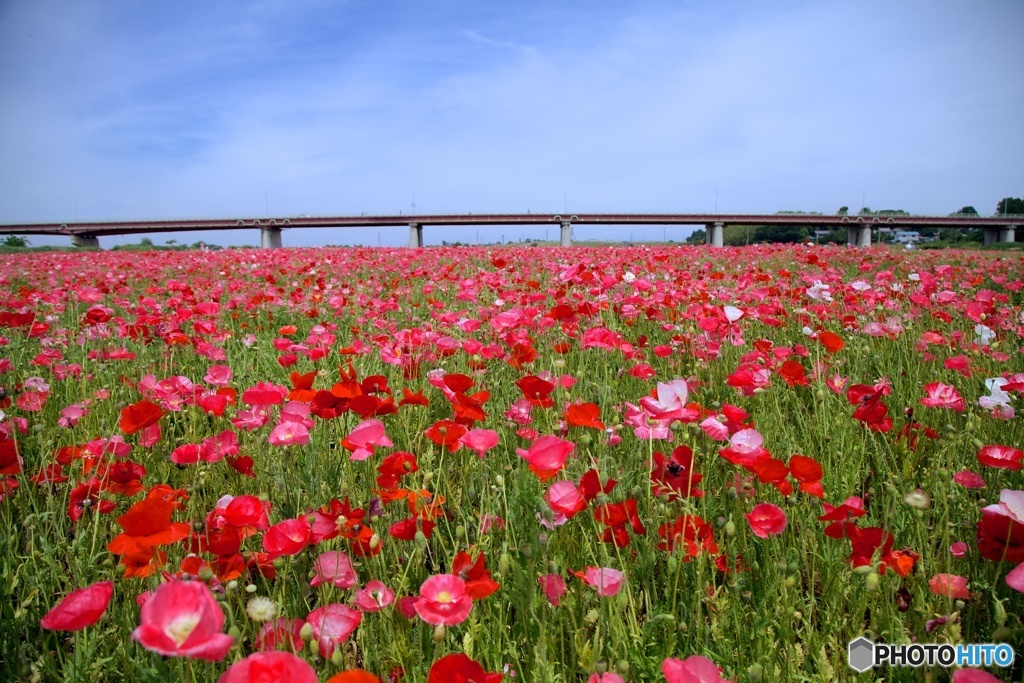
(906,237)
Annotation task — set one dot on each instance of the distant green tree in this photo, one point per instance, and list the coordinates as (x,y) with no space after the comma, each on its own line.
(968,211)
(780,234)
(698,236)
(1012,205)
(843,211)
(146,242)
(866,211)
(14,241)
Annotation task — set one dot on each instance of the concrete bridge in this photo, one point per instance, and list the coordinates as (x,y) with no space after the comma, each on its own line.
(1000,228)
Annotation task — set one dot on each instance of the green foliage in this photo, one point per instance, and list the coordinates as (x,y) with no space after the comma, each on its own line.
(1010,205)
(781,234)
(843,211)
(16,241)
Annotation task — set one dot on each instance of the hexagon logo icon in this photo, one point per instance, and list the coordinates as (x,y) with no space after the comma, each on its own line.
(860,654)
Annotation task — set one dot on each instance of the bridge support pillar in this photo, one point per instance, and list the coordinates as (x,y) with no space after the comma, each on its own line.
(714,234)
(85,241)
(1006,233)
(415,235)
(565,239)
(270,237)
(864,236)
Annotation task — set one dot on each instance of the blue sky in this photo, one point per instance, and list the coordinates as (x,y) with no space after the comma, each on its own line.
(119,110)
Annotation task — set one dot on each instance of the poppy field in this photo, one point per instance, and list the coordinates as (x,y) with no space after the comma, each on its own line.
(672,464)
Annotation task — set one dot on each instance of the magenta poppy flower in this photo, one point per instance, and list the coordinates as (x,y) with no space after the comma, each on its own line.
(607,677)
(332,624)
(554,587)
(80,608)
(766,520)
(958,549)
(334,568)
(969,480)
(443,600)
(374,597)
(694,669)
(182,619)
(264,394)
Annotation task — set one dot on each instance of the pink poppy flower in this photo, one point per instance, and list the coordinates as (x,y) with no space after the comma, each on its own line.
(374,596)
(715,429)
(289,434)
(547,455)
(32,401)
(479,440)
(182,619)
(250,420)
(332,624)
(150,436)
(554,587)
(334,568)
(216,448)
(443,600)
(694,669)
(950,586)
(766,520)
(607,582)
(671,402)
(958,549)
(1015,579)
(218,375)
(745,448)
(270,666)
(941,395)
(969,480)
(364,438)
(80,608)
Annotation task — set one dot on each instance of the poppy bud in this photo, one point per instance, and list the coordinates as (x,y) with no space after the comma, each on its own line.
(754,673)
(499,480)
(278,563)
(427,476)
(592,616)
(232,585)
(542,539)
(503,563)
(790,581)
(730,528)
(622,600)
(601,667)
(673,564)
(439,633)
(1000,613)
(959,604)
(421,540)
(235,633)
(337,658)
(796,616)
(205,574)
(306,632)
(871,583)
(586,439)
(374,541)
(1001,635)
(460,532)
(794,566)
(251,588)
(314,647)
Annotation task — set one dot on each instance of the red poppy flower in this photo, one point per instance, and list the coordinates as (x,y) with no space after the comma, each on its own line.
(1004,457)
(458,668)
(794,373)
(584,415)
(446,434)
(831,341)
(808,472)
(80,608)
(138,416)
(766,520)
(537,391)
(478,579)
(690,533)
(288,537)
